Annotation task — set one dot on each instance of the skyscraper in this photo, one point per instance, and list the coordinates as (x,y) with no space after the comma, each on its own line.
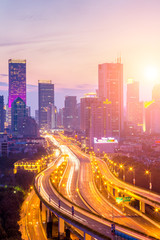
(51,116)
(1,114)
(70,112)
(152,116)
(37,116)
(45,98)
(18,112)
(17,80)
(134,108)
(110,89)
(95,118)
(60,115)
(28,127)
(156,93)
(132,101)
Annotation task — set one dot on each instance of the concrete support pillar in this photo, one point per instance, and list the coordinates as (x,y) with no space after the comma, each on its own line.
(87,236)
(43,213)
(49,224)
(142,206)
(114,192)
(47,215)
(111,190)
(60,227)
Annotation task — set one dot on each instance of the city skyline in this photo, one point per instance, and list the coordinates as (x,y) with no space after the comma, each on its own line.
(76,37)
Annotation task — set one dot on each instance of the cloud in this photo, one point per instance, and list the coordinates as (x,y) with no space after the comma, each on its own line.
(3,75)
(32,86)
(85,86)
(41,39)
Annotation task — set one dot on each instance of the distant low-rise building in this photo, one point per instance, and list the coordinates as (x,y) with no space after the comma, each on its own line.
(130,147)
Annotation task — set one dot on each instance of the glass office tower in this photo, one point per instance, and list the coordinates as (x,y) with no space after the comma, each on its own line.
(45,99)
(17,80)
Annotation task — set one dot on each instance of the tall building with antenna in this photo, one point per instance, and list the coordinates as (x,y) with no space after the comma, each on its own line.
(110,88)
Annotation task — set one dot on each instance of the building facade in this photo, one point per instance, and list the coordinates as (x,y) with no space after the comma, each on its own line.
(70,112)
(95,118)
(132,101)
(17,80)
(110,89)
(1,114)
(134,108)
(28,127)
(60,118)
(37,116)
(152,116)
(52,116)
(156,93)
(45,98)
(3,145)
(18,112)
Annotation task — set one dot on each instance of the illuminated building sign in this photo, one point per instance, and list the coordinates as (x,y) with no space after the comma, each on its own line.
(107,102)
(105,140)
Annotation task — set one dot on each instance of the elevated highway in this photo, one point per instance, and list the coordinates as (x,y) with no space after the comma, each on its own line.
(83,219)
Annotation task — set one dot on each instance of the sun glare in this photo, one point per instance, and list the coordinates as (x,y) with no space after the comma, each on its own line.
(151,73)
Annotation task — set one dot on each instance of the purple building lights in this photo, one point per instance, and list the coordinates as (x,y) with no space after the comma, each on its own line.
(17,80)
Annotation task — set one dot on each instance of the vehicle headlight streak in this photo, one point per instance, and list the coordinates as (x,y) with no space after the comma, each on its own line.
(69,181)
(54,203)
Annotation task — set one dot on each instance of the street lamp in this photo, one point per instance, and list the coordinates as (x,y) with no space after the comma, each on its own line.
(134,179)
(123,169)
(150,181)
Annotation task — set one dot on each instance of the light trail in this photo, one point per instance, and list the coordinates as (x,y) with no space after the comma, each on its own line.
(40,181)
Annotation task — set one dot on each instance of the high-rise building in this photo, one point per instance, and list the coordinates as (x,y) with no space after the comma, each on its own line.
(1,114)
(45,98)
(28,127)
(134,108)
(52,116)
(37,116)
(132,100)
(17,80)
(156,92)
(60,118)
(28,111)
(70,112)
(18,112)
(110,89)
(86,102)
(95,118)
(152,116)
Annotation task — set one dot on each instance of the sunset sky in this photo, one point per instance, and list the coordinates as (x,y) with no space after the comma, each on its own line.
(65,40)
